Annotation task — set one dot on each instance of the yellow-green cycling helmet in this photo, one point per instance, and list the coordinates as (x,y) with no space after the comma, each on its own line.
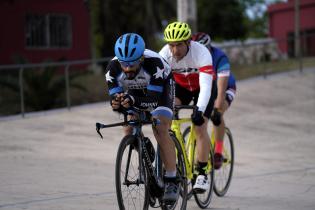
(176,32)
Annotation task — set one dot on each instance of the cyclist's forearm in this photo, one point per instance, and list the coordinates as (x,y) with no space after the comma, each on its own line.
(205,83)
(222,85)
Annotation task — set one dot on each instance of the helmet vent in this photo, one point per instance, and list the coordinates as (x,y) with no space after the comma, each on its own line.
(120,39)
(120,52)
(132,52)
(135,41)
(181,34)
(127,44)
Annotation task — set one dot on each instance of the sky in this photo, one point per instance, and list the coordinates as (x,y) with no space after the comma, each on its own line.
(259,9)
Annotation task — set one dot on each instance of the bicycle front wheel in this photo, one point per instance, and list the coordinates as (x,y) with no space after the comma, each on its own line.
(223,176)
(131,180)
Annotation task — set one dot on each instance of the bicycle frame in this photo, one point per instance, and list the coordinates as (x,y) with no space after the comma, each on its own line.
(190,146)
(188,155)
(142,152)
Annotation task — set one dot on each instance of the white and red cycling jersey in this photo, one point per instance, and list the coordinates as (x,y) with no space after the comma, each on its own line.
(194,71)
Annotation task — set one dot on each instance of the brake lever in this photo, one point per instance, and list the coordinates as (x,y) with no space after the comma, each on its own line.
(98,128)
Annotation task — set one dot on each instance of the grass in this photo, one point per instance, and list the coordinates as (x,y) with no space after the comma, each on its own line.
(247,71)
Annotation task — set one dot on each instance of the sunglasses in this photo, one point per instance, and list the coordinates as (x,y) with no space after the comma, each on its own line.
(129,64)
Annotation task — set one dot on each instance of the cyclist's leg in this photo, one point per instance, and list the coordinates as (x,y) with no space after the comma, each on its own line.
(203,151)
(203,145)
(220,130)
(164,112)
(167,152)
(164,140)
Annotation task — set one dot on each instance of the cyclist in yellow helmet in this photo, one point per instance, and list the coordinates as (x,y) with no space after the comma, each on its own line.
(191,65)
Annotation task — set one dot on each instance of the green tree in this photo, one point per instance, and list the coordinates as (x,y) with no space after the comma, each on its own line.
(142,17)
(222,19)
(97,38)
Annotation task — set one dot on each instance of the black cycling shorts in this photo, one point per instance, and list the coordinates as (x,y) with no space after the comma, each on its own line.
(186,96)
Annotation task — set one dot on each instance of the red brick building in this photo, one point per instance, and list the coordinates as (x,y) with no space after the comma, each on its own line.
(281,25)
(38,30)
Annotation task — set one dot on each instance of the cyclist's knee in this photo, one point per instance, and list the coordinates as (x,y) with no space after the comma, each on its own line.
(177,101)
(201,131)
(163,126)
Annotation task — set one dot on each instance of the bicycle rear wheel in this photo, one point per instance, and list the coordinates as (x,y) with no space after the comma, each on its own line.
(223,176)
(181,202)
(131,181)
(203,199)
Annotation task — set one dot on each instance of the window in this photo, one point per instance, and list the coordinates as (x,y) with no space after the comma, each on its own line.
(48,31)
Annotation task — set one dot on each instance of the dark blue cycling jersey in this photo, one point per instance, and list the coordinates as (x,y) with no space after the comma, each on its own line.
(222,67)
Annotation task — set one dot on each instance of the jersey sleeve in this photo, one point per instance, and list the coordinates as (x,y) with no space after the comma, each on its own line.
(206,73)
(223,67)
(204,60)
(111,79)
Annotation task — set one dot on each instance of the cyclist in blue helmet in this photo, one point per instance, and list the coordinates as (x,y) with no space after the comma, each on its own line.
(138,77)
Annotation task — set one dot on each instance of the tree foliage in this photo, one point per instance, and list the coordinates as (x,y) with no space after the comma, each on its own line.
(222,19)
(142,17)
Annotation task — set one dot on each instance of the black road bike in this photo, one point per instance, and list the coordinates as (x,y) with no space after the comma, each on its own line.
(139,170)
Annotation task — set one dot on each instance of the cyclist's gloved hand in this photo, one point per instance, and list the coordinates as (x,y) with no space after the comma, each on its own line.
(115,102)
(216,117)
(197,118)
(127,100)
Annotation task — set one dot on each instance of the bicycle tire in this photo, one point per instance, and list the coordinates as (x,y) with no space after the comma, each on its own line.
(132,194)
(223,176)
(203,200)
(181,202)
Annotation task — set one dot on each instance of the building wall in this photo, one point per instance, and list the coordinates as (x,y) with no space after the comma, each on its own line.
(281,22)
(13,38)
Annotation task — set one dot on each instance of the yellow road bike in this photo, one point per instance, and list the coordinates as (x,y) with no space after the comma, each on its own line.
(188,146)
(219,179)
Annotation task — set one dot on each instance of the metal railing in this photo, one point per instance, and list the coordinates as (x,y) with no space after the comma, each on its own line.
(22,67)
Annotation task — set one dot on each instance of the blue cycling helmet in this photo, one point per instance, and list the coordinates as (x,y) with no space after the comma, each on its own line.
(129,47)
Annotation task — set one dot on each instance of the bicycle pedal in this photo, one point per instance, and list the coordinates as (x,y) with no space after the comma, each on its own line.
(170,203)
(199,191)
